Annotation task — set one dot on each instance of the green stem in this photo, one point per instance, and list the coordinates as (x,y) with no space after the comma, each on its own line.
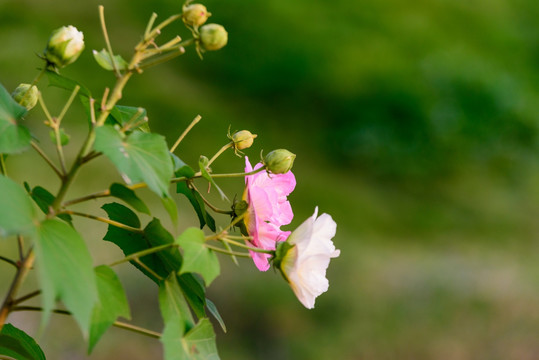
(47,159)
(102,219)
(243,246)
(210,205)
(185,132)
(107,40)
(147,268)
(106,193)
(3,168)
(221,150)
(142,253)
(118,324)
(150,24)
(231,253)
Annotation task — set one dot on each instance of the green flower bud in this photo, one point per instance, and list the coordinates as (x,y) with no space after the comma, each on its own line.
(26,95)
(64,46)
(195,14)
(213,36)
(243,139)
(279,161)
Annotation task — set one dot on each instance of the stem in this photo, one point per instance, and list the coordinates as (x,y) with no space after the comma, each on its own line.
(231,253)
(102,219)
(118,324)
(150,24)
(185,132)
(106,193)
(137,329)
(157,30)
(47,159)
(147,268)
(221,150)
(142,253)
(107,41)
(67,105)
(20,246)
(9,261)
(26,297)
(3,168)
(164,58)
(217,210)
(243,246)
(22,271)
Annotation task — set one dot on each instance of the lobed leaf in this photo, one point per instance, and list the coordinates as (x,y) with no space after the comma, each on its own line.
(139,157)
(181,340)
(197,257)
(162,263)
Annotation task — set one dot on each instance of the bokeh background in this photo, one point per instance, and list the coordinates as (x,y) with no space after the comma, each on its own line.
(415,126)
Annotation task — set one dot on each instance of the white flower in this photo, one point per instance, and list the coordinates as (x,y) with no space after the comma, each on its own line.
(308,251)
(64,46)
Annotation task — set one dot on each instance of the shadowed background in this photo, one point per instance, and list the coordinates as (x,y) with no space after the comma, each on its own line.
(415,126)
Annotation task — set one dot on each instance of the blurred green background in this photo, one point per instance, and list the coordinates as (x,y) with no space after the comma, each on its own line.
(415,126)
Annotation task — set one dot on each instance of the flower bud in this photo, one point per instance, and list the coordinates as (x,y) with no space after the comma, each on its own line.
(279,161)
(195,14)
(213,36)
(64,46)
(25,95)
(243,139)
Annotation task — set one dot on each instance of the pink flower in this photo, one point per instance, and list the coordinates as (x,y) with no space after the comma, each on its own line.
(268,210)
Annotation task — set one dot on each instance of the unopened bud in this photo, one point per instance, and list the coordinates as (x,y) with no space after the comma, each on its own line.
(25,95)
(243,139)
(213,36)
(64,46)
(279,161)
(195,14)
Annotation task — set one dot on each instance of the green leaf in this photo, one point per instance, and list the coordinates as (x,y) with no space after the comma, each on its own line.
(14,137)
(140,157)
(19,345)
(170,207)
(104,60)
(65,271)
(62,82)
(129,114)
(44,200)
(181,168)
(112,304)
(198,204)
(197,257)
(124,193)
(213,310)
(176,316)
(17,213)
(200,341)
(203,163)
(162,263)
